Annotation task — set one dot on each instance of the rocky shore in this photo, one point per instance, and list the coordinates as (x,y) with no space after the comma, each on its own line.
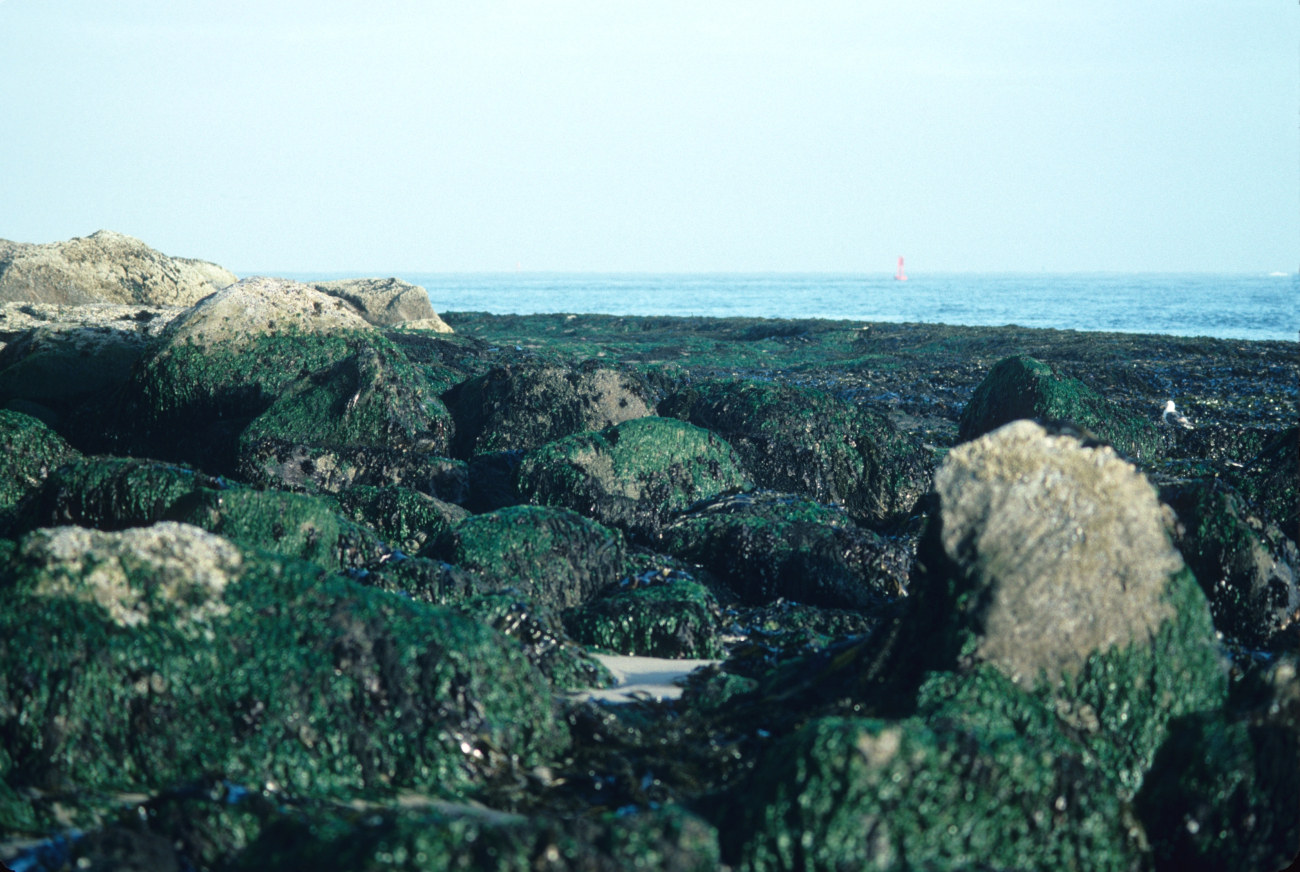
(309,577)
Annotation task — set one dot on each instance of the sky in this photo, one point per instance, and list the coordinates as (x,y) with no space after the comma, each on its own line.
(659,136)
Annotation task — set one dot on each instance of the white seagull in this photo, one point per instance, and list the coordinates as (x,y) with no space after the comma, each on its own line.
(1175,418)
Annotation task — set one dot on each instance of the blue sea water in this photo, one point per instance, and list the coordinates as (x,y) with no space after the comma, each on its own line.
(1226,306)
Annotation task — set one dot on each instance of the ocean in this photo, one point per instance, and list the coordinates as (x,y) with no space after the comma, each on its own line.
(1238,306)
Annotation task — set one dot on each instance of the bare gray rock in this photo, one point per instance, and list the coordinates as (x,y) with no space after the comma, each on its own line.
(388,302)
(1070,544)
(257,307)
(105,267)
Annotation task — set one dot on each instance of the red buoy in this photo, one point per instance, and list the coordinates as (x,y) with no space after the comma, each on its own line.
(900,275)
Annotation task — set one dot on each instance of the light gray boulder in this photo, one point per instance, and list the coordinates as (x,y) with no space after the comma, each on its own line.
(388,302)
(105,267)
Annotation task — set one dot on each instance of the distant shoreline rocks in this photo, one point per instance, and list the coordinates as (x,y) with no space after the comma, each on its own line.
(109,268)
(105,267)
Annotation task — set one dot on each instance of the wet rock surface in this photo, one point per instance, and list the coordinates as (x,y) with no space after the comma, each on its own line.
(1046,655)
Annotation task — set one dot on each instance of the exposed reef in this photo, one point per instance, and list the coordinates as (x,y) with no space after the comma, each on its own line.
(295,578)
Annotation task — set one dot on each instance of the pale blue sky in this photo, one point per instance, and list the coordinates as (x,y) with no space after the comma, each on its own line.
(659,136)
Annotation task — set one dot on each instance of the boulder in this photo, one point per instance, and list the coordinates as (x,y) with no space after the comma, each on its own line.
(865,793)
(1022,387)
(1271,481)
(155,657)
(29,452)
(406,519)
(59,369)
(291,525)
(673,619)
(114,493)
(388,302)
(537,629)
(1222,794)
(366,420)
(634,476)
(769,545)
(522,407)
(1248,570)
(808,442)
(446,836)
(223,363)
(1051,562)
(555,556)
(105,267)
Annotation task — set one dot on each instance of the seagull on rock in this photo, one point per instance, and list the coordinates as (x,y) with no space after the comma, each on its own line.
(1175,418)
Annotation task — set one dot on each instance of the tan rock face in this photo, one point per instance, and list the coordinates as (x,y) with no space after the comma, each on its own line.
(132,574)
(388,302)
(262,306)
(1070,544)
(105,267)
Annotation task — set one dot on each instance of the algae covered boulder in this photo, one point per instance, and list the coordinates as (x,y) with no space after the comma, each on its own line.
(452,836)
(292,525)
(537,629)
(1022,387)
(633,476)
(674,619)
(863,793)
(553,555)
(404,518)
(1223,794)
(768,545)
(29,452)
(1271,481)
(808,442)
(61,367)
(1051,562)
(523,407)
(366,420)
(157,656)
(114,493)
(223,362)
(1247,569)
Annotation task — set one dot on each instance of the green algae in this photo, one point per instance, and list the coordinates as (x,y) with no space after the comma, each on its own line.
(367,419)
(525,406)
(1022,387)
(1222,794)
(677,619)
(404,518)
(857,793)
(114,493)
(1271,480)
(633,476)
(541,633)
(189,403)
(289,679)
(291,525)
(1241,565)
(808,442)
(29,451)
(463,837)
(554,555)
(1121,697)
(765,545)
(537,629)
